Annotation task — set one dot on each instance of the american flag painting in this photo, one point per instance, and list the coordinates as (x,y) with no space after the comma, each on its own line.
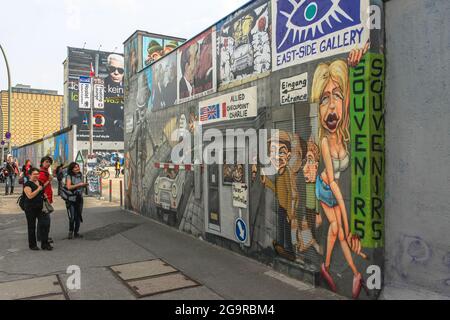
(209,113)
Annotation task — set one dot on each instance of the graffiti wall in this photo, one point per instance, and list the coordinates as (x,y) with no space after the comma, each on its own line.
(285,166)
(60,146)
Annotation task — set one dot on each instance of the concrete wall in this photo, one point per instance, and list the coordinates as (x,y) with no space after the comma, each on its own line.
(417,147)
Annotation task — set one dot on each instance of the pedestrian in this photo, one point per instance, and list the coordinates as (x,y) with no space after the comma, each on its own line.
(74,204)
(46,180)
(59,173)
(117,166)
(34,203)
(10,172)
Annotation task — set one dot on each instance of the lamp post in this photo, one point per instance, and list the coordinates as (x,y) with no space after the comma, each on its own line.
(9,98)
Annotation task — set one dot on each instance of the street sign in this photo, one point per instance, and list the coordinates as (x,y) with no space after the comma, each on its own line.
(80,161)
(99,93)
(85,93)
(294,89)
(91,162)
(241,231)
(3,143)
(8,135)
(240,195)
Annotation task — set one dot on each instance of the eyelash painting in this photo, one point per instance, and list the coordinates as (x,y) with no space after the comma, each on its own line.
(308,19)
(306,30)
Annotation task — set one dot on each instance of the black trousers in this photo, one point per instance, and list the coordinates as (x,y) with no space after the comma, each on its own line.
(117,173)
(74,212)
(43,226)
(284,230)
(45,222)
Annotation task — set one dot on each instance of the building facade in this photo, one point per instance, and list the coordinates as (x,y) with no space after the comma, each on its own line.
(307,199)
(35,113)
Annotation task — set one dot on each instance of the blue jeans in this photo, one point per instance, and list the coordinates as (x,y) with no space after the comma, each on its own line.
(10,181)
(74,212)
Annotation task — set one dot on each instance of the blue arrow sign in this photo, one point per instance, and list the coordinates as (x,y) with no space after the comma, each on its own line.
(241,231)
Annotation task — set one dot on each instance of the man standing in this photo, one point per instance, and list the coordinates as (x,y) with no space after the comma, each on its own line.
(45,180)
(10,172)
(117,166)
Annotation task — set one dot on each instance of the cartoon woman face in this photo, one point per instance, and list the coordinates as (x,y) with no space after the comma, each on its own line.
(331,106)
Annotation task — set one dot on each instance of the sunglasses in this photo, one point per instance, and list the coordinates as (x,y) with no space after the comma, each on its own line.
(114,69)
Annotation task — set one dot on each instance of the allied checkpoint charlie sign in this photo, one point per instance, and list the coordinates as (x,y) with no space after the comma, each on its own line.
(237,105)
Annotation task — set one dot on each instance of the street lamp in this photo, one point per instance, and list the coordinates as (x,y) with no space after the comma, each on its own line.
(9,98)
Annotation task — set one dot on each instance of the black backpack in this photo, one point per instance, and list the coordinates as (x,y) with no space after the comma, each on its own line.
(21,202)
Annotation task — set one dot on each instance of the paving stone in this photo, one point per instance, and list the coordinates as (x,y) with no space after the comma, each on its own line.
(162,284)
(143,269)
(30,288)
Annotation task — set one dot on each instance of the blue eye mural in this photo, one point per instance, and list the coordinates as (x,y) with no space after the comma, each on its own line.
(304,20)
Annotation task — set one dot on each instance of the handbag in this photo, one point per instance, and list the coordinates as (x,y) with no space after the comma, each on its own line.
(47,208)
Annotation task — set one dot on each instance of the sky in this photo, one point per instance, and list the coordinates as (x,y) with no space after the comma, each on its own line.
(36,33)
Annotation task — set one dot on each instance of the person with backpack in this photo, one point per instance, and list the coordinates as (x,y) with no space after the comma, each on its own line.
(72,193)
(46,180)
(33,203)
(59,173)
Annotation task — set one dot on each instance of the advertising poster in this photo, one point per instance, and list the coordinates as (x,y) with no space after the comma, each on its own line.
(234,106)
(109,114)
(196,67)
(244,45)
(308,30)
(164,83)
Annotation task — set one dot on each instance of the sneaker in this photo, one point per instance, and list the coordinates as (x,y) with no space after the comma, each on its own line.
(70,235)
(34,248)
(47,247)
(78,236)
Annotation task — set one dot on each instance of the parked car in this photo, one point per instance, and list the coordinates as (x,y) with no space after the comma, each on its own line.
(243,59)
(169,188)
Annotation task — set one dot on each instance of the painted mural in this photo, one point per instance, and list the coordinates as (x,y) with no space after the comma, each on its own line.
(197,67)
(312,199)
(59,146)
(244,45)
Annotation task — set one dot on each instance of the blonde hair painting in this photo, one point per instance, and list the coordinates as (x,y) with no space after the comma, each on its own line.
(337,71)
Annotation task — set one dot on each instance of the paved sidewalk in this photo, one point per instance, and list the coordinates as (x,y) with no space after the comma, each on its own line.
(114,237)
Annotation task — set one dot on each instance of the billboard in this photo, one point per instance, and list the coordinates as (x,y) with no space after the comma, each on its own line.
(108,94)
(244,45)
(197,67)
(309,30)
(154,48)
